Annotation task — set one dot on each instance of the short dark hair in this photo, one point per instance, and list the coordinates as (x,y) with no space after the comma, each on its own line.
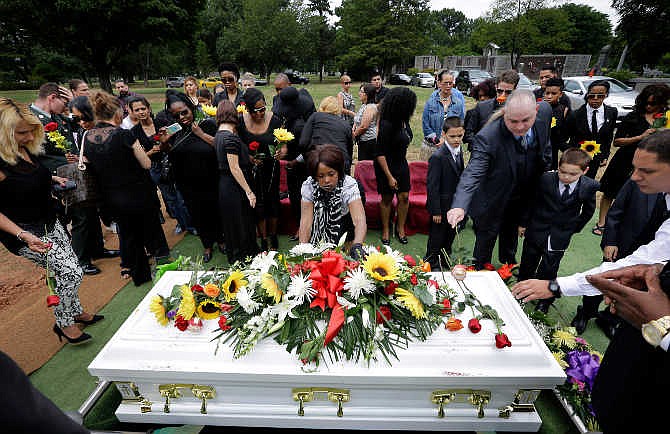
(576,156)
(204,92)
(226,113)
(510,76)
(328,155)
(603,83)
(375,73)
(370,91)
(659,144)
(252,96)
(120,80)
(138,98)
(48,89)
(548,67)
(230,66)
(83,104)
(442,73)
(452,122)
(74,83)
(555,82)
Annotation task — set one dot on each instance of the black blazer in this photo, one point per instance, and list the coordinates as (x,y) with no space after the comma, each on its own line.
(578,128)
(442,179)
(551,216)
(486,183)
(476,118)
(626,219)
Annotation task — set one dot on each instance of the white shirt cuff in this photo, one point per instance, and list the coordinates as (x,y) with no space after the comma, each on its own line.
(665,342)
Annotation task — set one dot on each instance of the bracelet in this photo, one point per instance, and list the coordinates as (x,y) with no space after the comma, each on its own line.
(18,236)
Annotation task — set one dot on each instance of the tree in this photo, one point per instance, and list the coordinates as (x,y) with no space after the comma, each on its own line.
(591,29)
(639,19)
(101,32)
(318,33)
(448,31)
(379,33)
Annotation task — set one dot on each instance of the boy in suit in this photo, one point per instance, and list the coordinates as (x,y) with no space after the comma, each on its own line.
(565,201)
(553,95)
(444,170)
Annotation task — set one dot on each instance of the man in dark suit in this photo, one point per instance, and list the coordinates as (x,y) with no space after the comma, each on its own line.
(593,121)
(477,117)
(508,157)
(444,171)
(565,202)
(548,71)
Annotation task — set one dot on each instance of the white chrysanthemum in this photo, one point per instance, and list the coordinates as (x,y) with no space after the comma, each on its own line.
(303,249)
(300,289)
(283,309)
(263,261)
(396,255)
(346,304)
(323,246)
(357,282)
(245,300)
(369,250)
(432,290)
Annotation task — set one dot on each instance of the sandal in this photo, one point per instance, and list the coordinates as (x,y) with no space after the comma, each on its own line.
(598,230)
(125,273)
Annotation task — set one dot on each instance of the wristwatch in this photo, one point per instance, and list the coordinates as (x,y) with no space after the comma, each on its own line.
(554,288)
(655,330)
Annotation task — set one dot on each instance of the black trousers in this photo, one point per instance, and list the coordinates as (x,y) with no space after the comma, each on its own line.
(537,262)
(203,205)
(86,233)
(505,228)
(441,236)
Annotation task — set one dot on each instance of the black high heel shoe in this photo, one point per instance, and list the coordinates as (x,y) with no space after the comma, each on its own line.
(85,337)
(402,240)
(93,320)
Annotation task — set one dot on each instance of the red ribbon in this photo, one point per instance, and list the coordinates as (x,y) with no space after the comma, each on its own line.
(325,277)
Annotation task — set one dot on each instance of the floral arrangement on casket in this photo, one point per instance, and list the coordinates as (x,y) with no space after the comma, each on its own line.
(581,363)
(313,299)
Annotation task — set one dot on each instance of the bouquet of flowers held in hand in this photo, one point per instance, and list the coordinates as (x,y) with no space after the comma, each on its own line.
(581,364)
(661,120)
(314,300)
(282,137)
(54,136)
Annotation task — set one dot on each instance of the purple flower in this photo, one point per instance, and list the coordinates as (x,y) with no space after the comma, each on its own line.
(583,368)
(171,314)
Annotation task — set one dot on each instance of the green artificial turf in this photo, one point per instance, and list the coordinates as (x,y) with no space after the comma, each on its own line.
(65,379)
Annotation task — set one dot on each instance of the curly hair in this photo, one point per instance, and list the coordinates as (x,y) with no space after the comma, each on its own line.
(660,93)
(11,113)
(398,105)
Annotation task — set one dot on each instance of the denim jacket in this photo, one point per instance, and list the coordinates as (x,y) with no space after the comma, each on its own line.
(433,112)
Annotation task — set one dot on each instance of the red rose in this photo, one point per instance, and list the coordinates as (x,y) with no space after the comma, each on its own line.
(197,288)
(253,146)
(410,260)
(181,323)
(243,103)
(390,288)
(156,137)
(470,268)
(489,267)
(447,306)
(540,100)
(51,126)
(384,313)
(658,115)
(53,300)
(414,280)
(502,340)
(223,323)
(474,325)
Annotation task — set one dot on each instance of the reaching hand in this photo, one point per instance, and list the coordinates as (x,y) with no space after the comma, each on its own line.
(455,215)
(531,289)
(610,253)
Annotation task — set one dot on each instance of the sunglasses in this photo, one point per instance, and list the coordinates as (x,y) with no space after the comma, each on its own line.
(258,109)
(228,80)
(76,119)
(653,103)
(596,96)
(184,112)
(347,82)
(505,91)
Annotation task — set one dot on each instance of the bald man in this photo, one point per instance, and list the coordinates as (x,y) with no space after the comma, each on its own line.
(508,156)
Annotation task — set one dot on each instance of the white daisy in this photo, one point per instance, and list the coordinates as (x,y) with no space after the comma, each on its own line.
(245,300)
(263,261)
(369,250)
(303,249)
(300,289)
(396,255)
(357,282)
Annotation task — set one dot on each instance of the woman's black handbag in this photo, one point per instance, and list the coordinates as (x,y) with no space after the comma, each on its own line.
(86,191)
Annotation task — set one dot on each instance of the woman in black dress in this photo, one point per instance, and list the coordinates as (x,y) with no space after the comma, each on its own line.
(256,132)
(196,173)
(121,166)
(236,198)
(637,125)
(391,167)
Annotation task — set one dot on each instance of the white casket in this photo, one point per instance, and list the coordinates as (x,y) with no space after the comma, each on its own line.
(453,381)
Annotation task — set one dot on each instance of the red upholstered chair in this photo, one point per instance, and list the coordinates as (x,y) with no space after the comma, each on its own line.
(418,217)
(364,172)
(287,224)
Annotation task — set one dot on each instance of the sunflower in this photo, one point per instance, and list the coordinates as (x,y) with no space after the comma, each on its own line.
(381,267)
(561,337)
(187,304)
(269,284)
(232,284)
(208,109)
(590,146)
(158,309)
(411,302)
(208,309)
(559,358)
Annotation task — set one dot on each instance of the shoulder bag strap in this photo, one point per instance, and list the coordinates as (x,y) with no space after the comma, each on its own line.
(82,166)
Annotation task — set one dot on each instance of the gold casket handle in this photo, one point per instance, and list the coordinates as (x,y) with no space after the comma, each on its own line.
(307,394)
(203,393)
(478,398)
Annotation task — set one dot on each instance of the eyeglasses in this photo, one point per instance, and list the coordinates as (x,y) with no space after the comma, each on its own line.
(450,83)
(228,80)
(505,91)
(258,109)
(596,96)
(184,112)
(346,82)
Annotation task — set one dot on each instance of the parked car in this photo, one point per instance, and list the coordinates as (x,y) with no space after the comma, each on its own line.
(295,77)
(467,78)
(259,82)
(526,83)
(423,79)
(400,79)
(209,82)
(174,82)
(621,96)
